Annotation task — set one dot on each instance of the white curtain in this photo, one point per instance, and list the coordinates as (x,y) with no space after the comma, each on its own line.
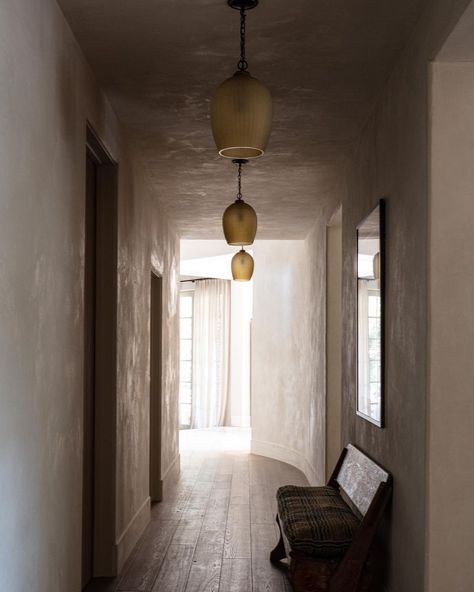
(363,346)
(211,339)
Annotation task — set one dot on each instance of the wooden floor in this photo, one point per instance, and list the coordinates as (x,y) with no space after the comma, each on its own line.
(215,528)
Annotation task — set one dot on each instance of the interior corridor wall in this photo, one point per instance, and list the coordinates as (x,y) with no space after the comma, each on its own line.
(288,353)
(390,160)
(450,512)
(47,94)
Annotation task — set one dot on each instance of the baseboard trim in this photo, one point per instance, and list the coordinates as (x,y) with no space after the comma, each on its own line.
(171,474)
(287,455)
(133,531)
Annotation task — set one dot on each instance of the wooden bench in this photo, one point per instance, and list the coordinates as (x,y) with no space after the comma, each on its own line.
(326,532)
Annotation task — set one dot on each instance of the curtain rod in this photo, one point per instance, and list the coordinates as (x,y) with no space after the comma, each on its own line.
(197,280)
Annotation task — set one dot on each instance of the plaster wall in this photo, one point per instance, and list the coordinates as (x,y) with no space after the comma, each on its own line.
(147,242)
(47,95)
(390,160)
(288,349)
(450,478)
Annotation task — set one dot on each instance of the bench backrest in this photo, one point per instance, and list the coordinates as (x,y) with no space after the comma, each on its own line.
(359,478)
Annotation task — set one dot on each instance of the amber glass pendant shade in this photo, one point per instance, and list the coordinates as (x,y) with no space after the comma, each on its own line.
(239,223)
(241,117)
(242,266)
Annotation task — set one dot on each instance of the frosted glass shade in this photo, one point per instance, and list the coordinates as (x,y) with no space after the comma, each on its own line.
(239,223)
(241,116)
(242,266)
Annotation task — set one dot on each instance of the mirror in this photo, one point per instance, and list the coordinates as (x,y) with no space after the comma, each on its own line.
(370,316)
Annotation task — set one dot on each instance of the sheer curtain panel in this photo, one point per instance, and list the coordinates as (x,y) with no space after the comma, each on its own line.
(211,339)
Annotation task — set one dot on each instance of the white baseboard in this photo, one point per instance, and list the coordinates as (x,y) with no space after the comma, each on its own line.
(133,531)
(171,474)
(287,455)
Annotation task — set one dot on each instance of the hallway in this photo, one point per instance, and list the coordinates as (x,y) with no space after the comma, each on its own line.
(350,318)
(217,523)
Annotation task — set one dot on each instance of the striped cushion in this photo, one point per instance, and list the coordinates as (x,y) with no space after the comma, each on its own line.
(316,520)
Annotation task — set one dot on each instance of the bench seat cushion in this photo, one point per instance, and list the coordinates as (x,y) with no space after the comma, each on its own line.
(316,520)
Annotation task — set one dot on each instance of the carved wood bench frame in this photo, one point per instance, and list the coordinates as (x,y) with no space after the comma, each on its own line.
(366,488)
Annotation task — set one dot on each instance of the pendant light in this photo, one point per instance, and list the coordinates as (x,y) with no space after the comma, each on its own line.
(239,221)
(242,266)
(241,107)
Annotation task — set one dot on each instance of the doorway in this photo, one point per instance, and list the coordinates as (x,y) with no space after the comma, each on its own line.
(333,339)
(156,337)
(100,337)
(89,371)
(215,323)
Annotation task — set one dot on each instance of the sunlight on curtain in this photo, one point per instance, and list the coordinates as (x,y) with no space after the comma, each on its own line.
(211,338)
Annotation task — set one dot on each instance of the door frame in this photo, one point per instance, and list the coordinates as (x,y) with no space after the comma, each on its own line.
(156,373)
(104,553)
(333,339)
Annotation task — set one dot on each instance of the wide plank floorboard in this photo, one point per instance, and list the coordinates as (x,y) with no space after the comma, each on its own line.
(148,557)
(236,575)
(266,578)
(175,568)
(237,534)
(205,573)
(215,528)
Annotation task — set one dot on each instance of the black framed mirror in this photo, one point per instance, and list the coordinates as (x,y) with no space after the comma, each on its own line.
(370,315)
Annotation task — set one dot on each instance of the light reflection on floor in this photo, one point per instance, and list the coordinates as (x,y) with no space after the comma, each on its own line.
(221,439)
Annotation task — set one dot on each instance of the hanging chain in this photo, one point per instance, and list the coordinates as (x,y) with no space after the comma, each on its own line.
(240,162)
(243,64)
(239,182)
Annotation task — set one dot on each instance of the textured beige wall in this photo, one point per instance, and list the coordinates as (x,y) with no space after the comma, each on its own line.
(390,160)
(46,95)
(450,479)
(288,349)
(146,242)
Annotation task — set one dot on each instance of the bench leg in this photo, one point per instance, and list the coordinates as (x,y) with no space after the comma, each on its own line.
(279,551)
(310,575)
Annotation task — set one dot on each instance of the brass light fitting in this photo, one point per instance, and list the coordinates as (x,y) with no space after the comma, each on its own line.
(242,266)
(241,107)
(239,221)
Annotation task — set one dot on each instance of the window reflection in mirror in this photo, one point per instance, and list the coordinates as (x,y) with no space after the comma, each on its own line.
(369,317)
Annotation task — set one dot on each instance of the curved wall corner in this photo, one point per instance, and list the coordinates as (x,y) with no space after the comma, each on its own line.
(286,455)
(288,353)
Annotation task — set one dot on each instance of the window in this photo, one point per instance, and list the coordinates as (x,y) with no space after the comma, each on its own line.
(374,334)
(369,347)
(185,358)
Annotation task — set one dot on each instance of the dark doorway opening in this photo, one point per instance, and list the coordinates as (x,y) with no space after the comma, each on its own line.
(156,336)
(100,363)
